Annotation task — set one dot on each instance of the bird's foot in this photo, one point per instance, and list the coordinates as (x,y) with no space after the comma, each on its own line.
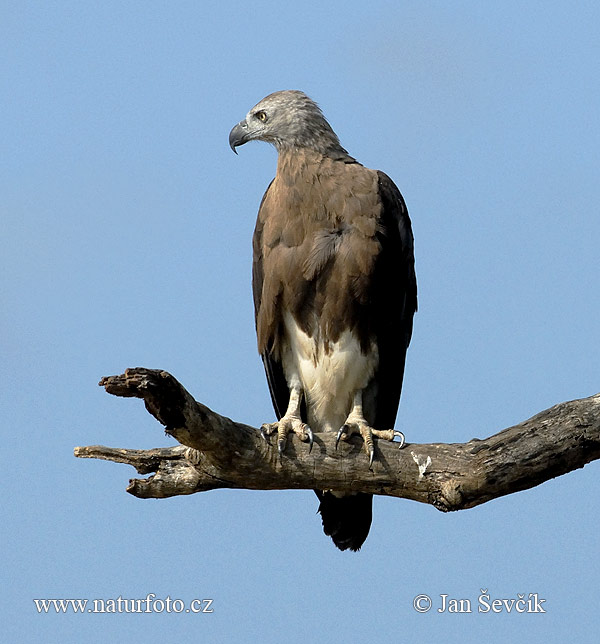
(358,425)
(288,424)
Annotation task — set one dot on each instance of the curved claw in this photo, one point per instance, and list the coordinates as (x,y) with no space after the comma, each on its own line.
(371,456)
(339,435)
(264,434)
(310,439)
(402,438)
(280,446)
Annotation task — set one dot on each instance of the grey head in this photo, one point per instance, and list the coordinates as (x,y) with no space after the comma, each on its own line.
(287,119)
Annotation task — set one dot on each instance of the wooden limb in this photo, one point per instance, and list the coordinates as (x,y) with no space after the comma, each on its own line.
(221,453)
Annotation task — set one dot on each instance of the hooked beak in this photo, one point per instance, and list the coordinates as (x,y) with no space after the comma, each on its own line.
(238,135)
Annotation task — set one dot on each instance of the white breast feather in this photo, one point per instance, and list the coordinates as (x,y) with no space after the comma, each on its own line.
(329,380)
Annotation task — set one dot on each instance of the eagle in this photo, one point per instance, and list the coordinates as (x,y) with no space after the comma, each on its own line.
(335,292)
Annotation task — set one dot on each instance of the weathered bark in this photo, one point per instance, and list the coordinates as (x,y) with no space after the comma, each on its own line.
(216,452)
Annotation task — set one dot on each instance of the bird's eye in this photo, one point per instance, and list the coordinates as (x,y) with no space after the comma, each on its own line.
(261,116)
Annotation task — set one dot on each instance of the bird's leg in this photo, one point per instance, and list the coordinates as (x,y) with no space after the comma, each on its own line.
(291,422)
(356,424)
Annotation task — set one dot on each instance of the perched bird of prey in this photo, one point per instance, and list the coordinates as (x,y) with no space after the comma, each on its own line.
(334,292)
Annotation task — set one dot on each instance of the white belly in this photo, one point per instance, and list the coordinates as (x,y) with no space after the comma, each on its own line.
(329,379)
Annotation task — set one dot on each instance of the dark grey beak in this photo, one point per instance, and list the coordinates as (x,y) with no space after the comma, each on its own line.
(238,135)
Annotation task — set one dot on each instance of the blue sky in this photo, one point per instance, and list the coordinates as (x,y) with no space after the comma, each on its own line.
(126,241)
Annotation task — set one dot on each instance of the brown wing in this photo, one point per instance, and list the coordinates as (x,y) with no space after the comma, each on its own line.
(273,368)
(394,298)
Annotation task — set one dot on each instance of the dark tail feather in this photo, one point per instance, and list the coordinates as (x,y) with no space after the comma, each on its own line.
(346,519)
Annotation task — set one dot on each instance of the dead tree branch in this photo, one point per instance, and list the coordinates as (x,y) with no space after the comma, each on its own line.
(217,452)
